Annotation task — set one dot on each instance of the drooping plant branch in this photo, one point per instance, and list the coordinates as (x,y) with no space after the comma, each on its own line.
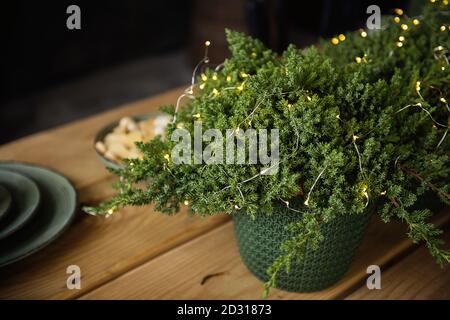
(419,178)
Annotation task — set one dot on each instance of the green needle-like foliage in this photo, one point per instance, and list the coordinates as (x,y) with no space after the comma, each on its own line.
(374,126)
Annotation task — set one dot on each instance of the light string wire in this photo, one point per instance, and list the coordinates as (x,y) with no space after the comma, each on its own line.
(189,91)
(314,184)
(439,52)
(262,172)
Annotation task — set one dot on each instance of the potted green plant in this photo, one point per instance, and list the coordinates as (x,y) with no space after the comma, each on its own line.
(362,127)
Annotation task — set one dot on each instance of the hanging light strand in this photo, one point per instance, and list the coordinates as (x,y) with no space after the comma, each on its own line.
(426,111)
(189,91)
(314,184)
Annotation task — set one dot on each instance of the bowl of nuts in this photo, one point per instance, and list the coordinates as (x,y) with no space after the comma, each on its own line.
(116,141)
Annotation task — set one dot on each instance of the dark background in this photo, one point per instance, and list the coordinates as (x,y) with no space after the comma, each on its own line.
(127,50)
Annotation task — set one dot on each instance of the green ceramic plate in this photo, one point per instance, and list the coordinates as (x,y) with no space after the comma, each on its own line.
(56,212)
(5,201)
(25,201)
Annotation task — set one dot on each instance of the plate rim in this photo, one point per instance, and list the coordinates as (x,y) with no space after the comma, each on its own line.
(33,210)
(72,215)
(9,202)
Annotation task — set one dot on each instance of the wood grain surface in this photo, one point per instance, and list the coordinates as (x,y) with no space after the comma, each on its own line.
(414,277)
(209,267)
(141,254)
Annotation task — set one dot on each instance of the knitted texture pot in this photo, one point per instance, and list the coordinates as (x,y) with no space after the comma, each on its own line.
(259,244)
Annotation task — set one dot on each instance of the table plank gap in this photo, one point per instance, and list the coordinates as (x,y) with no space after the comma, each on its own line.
(181,273)
(103,249)
(146,260)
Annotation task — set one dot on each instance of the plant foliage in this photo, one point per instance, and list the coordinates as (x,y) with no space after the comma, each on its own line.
(368,113)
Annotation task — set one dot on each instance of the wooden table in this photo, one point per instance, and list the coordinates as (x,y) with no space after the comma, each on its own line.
(140,254)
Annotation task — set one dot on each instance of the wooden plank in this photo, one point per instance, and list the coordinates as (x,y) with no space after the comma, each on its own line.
(110,250)
(102,248)
(209,267)
(415,277)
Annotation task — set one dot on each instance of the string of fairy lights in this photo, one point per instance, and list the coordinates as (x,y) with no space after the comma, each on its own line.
(439,52)
(189,93)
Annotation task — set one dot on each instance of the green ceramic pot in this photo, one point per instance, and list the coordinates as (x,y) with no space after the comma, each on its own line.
(259,243)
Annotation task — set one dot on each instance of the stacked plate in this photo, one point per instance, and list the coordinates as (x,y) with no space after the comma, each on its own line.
(36,206)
